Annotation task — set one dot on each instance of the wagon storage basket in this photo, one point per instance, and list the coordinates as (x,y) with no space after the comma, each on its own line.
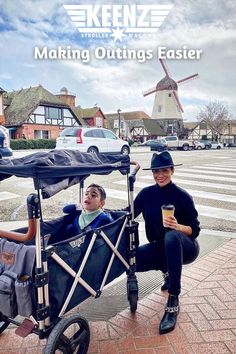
(72,252)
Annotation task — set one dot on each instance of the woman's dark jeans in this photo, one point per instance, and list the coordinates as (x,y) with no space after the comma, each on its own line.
(177,249)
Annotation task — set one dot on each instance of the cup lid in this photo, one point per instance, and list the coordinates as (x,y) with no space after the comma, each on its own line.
(168,206)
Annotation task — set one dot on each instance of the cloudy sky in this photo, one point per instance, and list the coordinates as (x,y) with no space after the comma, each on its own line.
(208,25)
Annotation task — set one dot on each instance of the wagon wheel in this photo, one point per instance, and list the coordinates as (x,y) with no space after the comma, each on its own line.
(70,335)
(133,301)
(3,324)
(132,292)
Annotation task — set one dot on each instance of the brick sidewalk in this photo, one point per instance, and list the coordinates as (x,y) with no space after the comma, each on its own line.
(206,323)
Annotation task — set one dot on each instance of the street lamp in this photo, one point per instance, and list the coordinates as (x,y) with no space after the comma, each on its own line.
(229,132)
(118,111)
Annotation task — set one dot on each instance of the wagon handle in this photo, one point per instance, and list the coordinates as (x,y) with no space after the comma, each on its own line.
(33,214)
(136,169)
(132,176)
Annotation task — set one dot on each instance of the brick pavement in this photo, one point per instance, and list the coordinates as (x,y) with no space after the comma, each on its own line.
(206,323)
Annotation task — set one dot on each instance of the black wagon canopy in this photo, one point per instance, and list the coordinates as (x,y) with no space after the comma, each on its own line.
(55,170)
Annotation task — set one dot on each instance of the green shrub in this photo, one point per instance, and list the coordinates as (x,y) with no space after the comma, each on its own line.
(27,144)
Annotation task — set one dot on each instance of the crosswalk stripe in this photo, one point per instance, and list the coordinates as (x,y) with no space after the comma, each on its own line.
(8,195)
(216,213)
(194,175)
(194,193)
(204,210)
(226,165)
(208,167)
(208,172)
(194,183)
(203,184)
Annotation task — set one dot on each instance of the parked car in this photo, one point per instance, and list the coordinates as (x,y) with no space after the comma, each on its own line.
(154,141)
(173,142)
(202,144)
(216,145)
(231,145)
(5,150)
(157,144)
(92,140)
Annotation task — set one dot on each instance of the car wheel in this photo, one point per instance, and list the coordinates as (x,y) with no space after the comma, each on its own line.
(125,150)
(207,147)
(199,148)
(185,147)
(93,150)
(218,147)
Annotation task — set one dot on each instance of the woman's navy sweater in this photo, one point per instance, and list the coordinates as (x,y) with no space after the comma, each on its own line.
(149,201)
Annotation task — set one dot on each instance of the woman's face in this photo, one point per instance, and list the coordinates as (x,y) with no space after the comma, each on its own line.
(162,176)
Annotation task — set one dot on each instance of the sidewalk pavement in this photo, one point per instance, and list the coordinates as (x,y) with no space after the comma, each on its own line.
(206,323)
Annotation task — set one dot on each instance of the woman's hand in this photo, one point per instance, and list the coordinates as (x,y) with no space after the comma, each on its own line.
(172,223)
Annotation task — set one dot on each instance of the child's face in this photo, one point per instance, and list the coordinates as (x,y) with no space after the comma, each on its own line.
(92,199)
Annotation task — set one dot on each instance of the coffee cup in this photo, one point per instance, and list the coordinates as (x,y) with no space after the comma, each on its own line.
(167,210)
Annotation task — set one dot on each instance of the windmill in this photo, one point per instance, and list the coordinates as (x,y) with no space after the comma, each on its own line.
(167,107)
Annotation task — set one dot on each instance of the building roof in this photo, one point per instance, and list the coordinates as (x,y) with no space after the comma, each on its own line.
(20,104)
(134,115)
(153,127)
(86,112)
(166,84)
(191,125)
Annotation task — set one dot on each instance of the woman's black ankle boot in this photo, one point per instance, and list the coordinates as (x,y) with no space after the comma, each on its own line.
(165,284)
(169,319)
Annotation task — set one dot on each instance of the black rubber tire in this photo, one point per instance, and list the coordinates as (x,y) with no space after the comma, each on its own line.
(207,147)
(199,148)
(185,147)
(133,301)
(76,341)
(3,325)
(93,150)
(125,150)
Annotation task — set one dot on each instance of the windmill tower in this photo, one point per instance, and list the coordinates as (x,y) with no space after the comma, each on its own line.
(167,107)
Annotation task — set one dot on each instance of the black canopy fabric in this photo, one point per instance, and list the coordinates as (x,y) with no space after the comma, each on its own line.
(56,170)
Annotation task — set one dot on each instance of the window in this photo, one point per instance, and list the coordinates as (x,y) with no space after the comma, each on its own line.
(41,134)
(109,135)
(53,113)
(98,122)
(94,133)
(69,132)
(159,108)
(171,138)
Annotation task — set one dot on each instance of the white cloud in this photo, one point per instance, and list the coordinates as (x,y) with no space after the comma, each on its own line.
(209,26)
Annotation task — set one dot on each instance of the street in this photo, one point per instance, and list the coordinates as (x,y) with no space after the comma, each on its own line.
(208,175)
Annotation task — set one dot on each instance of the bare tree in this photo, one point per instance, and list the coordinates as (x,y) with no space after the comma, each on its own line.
(216,116)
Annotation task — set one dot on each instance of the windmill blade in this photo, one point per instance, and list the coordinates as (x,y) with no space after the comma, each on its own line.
(177,101)
(191,77)
(148,92)
(164,67)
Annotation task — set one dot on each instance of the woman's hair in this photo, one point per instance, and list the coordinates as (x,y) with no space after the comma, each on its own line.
(100,189)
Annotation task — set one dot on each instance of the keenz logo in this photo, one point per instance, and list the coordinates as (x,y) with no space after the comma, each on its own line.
(118,21)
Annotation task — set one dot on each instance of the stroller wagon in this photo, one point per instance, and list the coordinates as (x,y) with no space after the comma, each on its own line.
(43,273)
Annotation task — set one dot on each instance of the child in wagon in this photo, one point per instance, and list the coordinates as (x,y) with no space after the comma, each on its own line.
(92,215)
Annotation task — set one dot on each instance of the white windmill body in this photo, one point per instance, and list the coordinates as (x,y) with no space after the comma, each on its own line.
(167,108)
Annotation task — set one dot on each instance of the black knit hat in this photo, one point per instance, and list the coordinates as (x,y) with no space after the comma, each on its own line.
(162,160)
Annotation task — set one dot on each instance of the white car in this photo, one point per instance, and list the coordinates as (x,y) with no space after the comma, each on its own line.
(92,140)
(216,145)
